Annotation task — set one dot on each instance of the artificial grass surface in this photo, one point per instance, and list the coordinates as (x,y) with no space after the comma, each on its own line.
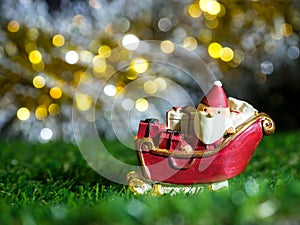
(52,184)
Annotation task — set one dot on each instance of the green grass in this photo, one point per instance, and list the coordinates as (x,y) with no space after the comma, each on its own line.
(52,184)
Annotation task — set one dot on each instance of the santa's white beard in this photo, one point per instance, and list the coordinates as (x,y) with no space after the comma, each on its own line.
(210,129)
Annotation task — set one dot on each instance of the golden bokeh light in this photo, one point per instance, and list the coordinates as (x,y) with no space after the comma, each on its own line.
(13,26)
(32,34)
(194,10)
(286,29)
(167,46)
(205,35)
(161,83)
(190,43)
(140,65)
(30,46)
(35,57)
(38,66)
(203,4)
(131,74)
(83,102)
(38,82)
(104,51)
(226,54)
(54,109)
(150,87)
(58,40)
(239,56)
(11,48)
(212,24)
(41,112)
(23,113)
(212,7)
(99,64)
(214,50)
(55,92)
(141,105)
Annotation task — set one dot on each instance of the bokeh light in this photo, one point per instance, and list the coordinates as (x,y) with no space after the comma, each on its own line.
(267,67)
(127,104)
(23,113)
(167,46)
(71,57)
(110,90)
(58,40)
(150,87)
(35,57)
(190,43)
(104,51)
(140,65)
(214,50)
(99,65)
(46,134)
(141,105)
(226,54)
(83,102)
(41,112)
(38,81)
(161,83)
(165,24)
(130,42)
(13,26)
(45,55)
(54,109)
(212,7)
(293,52)
(55,92)
(286,29)
(194,10)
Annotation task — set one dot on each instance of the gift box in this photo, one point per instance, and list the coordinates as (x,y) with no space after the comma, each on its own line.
(150,128)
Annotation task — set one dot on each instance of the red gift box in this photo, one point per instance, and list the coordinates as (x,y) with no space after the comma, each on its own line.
(150,128)
(172,140)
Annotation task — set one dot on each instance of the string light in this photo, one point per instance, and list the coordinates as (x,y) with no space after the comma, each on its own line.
(13,26)
(23,113)
(167,46)
(140,65)
(83,102)
(130,42)
(35,57)
(104,51)
(39,82)
(71,57)
(141,105)
(226,54)
(214,50)
(194,10)
(55,92)
(41,112)
(58,40)
(150,87)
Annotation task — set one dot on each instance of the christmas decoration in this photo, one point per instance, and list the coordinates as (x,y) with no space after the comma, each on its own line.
(207,145)
(46,50)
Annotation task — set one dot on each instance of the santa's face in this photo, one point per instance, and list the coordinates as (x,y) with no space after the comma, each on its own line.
(210,123)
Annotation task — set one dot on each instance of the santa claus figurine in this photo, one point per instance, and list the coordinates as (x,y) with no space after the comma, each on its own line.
(213,119)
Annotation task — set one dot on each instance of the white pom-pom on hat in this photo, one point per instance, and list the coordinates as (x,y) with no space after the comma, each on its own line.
(218,83)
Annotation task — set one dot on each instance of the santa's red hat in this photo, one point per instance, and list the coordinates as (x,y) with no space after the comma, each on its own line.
(216,97)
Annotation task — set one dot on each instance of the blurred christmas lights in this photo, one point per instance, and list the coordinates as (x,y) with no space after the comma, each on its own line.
(49,48)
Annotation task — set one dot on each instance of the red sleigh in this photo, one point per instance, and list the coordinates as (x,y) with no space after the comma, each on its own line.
(178,167)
